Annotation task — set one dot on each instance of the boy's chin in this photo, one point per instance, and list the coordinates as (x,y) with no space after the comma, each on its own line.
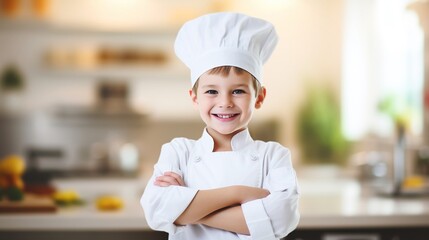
(227,131)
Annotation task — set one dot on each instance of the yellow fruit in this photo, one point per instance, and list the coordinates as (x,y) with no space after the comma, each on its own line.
(414,182)
(66,196)
(109,203)
(12,165)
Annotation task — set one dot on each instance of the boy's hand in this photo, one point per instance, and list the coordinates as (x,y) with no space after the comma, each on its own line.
(168,179)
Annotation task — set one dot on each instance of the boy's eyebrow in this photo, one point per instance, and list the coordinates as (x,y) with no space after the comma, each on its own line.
(241,85)
(214,85)
(209,86)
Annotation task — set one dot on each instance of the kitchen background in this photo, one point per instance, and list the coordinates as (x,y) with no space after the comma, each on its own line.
(90,90)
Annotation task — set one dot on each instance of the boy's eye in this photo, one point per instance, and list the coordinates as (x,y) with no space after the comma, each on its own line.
(238,91)
(211,92)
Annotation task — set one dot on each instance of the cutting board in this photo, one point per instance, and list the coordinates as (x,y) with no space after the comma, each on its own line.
(30,204)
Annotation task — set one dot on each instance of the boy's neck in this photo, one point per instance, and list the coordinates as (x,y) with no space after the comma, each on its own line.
(222,142)
(222,145)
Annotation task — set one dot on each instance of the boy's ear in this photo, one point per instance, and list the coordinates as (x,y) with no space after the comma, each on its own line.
(193,96)
(260,98)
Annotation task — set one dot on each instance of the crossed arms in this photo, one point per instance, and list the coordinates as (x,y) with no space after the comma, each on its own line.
(261,213)
(218,208)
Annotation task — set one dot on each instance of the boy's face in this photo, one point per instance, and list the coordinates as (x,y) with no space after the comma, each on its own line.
(226,104)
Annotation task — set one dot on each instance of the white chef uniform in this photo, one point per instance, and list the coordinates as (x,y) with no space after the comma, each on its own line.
(250,163)
(209,41)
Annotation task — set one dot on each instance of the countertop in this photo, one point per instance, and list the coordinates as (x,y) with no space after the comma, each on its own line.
(344,203)
(87,216)
(329,203)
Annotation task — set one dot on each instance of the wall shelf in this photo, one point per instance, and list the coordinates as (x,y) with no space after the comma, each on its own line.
(46,27)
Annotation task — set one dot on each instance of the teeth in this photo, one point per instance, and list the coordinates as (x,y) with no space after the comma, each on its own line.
(224,116)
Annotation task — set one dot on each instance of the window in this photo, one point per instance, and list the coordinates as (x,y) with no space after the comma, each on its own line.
(382,68)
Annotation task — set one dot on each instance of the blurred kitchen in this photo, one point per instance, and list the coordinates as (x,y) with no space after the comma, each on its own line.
(90,90)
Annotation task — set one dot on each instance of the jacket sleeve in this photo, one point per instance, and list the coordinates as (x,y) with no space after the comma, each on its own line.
(276,215)
(163,205)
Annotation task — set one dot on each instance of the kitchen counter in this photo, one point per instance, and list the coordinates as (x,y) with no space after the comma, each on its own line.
(346,204)
(130,218)
(324,204)
(87,216)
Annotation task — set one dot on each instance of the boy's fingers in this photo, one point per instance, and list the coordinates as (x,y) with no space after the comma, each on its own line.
(168,179)
(161,184)
(176,176)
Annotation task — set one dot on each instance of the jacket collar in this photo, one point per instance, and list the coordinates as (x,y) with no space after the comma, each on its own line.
(239,141)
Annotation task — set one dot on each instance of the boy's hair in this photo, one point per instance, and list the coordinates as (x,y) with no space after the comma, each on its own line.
(224,71)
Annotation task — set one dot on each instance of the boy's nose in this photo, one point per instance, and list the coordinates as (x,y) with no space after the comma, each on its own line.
(226,101)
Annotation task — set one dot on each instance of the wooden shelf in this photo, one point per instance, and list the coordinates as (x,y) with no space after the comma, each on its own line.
(42,26)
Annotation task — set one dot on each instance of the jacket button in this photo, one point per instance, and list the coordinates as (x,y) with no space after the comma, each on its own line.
(254,157)
(197,159)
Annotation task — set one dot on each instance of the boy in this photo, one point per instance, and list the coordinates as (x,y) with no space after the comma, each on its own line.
(224,185)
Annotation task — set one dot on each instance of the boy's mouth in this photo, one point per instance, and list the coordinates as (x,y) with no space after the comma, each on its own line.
(225,116)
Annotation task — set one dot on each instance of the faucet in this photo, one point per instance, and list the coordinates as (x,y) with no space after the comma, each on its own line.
(399,161)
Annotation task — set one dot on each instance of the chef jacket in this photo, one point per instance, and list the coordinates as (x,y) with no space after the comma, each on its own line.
(250,163)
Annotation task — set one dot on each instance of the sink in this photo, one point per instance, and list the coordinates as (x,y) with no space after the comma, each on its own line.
(392,191)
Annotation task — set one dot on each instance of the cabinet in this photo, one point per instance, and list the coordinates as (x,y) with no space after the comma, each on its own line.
(401,233)
(411,233)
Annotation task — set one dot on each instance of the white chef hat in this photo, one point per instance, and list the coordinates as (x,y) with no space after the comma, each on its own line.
(225,39)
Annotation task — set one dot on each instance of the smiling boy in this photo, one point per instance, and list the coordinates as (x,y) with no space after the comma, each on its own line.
(224,185)
(225,98)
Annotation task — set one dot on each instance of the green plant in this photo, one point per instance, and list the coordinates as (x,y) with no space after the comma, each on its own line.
(11,79)
(319,128)
(399,110)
